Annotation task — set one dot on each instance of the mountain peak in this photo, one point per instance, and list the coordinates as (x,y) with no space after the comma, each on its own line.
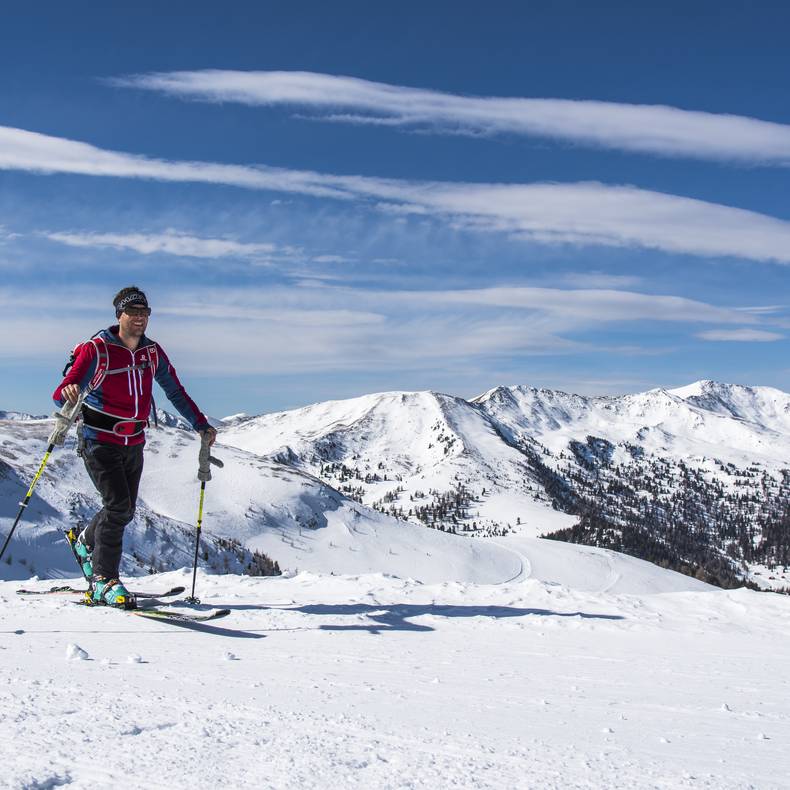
(698,388)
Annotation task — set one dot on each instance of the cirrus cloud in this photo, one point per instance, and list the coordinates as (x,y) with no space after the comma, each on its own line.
(587,213)
(740,335)
(172,242)
(643,128)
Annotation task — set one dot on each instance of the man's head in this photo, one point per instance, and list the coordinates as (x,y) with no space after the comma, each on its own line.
(132,311)
(129,298)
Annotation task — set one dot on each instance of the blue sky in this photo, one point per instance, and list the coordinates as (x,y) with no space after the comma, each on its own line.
(333,199)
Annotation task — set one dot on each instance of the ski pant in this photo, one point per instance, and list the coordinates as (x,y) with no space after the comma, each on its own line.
(115,471)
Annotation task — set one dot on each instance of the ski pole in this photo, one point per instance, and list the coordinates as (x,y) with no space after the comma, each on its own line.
(205,459)
(64,419)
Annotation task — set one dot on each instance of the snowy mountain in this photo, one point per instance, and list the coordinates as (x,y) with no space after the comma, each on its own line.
(695,479)
(64,496)
(403,452)
(699,473)
(19,415)
(733,423)
(252,505)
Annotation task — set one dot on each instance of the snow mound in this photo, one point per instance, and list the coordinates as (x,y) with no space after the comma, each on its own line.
(75,653)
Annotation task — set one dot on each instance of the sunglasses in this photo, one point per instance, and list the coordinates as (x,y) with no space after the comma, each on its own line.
(137,311)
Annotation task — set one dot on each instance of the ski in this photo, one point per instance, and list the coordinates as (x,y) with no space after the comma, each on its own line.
(67,590)
(165,615)
(52,591)
(179,617)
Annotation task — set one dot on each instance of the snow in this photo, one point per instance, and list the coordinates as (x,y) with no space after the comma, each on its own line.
(377,682)
(283,512)
(18,415)
(265,505)
(418,441)
(403,446)
(589,569)
(733,423)
(239,417)
(76,653)
(389,655)
(422,441)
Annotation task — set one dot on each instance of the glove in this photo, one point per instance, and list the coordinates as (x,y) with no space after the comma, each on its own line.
(205,459)
(65,417)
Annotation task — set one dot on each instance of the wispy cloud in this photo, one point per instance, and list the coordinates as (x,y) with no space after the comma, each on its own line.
(654,129)
(332,259)
(595,305)
(405,330)
(319,328)
(172,243)
(6,235)
(768,309)
(596,279)
(41,153)
(582,213)
(740,335)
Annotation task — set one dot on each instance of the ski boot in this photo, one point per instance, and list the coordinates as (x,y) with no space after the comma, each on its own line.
(82,553)
(110,592)
(85,555)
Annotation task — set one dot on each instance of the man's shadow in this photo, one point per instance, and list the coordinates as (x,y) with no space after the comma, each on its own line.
(398,617)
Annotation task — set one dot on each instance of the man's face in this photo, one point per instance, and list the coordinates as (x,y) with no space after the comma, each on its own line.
(133,321)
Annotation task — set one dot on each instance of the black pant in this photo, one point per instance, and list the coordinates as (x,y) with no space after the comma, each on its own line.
(115,471)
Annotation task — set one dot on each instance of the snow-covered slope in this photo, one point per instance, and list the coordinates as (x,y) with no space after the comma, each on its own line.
(391,447)
(394,449)
(264,505)
(303,523)
(64,496)
(764,406)
(524,460)
(590,569)
(376,682)
(19,415)
(277,509)
(347,486)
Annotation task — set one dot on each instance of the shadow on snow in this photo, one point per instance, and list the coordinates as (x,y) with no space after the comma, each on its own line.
(397,617)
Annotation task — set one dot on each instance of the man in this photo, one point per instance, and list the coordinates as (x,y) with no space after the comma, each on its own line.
(118,366)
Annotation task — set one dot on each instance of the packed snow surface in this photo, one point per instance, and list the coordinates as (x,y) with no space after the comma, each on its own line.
(377,682)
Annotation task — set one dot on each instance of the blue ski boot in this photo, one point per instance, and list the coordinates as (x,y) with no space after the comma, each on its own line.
(82,552)
(85,555)
(111,592)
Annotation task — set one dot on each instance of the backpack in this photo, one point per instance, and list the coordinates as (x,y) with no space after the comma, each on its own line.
(103,360)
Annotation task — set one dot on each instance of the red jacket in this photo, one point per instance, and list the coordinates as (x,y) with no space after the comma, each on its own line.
(116,409)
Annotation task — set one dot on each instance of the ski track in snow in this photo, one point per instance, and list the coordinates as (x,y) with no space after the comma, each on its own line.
(376,682)
(526,567)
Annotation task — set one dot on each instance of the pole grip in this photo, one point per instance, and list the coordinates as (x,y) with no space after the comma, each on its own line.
(205,459)
(65,417)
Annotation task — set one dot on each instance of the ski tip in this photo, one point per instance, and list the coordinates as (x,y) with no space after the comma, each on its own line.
(168,615)
(50,591)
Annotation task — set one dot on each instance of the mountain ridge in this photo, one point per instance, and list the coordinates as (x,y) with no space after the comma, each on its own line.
(695,478)
(536,460)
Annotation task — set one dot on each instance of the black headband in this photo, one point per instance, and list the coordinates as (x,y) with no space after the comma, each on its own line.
(135,297)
